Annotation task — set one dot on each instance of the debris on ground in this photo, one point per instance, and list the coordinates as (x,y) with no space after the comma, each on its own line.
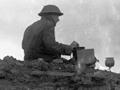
(40,75)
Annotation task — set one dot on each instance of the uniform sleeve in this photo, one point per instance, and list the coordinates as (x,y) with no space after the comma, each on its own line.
(52,45)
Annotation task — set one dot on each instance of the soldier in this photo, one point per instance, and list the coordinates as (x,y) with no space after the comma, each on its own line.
(39,38)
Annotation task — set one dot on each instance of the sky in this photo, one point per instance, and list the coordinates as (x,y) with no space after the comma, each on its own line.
(93,23)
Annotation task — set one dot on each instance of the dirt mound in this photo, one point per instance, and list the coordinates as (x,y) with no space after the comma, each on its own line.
(40,75)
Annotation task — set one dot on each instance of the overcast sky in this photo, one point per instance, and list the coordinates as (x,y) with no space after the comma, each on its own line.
(92,23)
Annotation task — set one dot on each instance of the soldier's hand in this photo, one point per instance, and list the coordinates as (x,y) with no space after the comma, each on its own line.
(74,44)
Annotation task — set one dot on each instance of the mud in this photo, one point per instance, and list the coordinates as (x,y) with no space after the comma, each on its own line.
(40,75)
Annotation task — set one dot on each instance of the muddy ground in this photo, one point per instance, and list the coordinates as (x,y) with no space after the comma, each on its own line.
(40,75)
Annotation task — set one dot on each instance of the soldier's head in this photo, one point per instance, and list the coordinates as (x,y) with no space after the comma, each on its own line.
(51,10)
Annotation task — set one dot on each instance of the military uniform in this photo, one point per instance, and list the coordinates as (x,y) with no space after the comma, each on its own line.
(39,42)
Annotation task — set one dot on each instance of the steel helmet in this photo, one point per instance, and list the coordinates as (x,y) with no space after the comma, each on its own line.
(50,9)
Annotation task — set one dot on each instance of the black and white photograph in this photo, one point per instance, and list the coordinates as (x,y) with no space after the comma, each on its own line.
(59,44)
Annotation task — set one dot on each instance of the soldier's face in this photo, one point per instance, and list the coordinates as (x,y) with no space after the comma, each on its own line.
(56,18)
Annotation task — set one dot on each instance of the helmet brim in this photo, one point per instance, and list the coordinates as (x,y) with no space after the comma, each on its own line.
(42,14)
